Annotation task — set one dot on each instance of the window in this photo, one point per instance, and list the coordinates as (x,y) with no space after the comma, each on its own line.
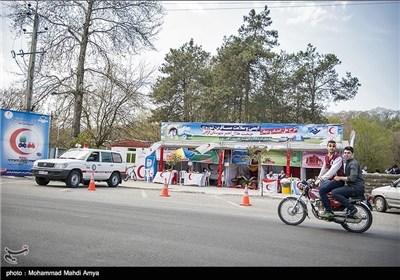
(93,157)
(116,158)
(131,155)
(106,157)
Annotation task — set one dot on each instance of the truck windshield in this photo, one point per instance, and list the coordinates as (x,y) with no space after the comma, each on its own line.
(75,154)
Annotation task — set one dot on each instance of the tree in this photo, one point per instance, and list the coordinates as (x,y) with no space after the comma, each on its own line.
(239,62)
(12,98)
(373,144)
(319,84)
(177,93)
(117,100)
(277,84)
(377,135)
(255,28)
(87,35)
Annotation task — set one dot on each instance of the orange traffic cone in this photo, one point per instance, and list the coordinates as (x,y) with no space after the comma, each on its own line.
(92,186)
(245,199)
(164,191)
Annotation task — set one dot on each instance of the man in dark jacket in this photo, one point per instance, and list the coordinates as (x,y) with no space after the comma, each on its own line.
(393,170)
(354,181)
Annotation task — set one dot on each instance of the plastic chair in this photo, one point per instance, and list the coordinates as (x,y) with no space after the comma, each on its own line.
(182,176)
(207,175)
(174,177)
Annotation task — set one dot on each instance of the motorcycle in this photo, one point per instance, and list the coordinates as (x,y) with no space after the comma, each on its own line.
(293,210)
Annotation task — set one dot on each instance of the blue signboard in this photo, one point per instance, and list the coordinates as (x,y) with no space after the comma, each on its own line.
(251,132)
(150,165)
(240,156)
(24,139)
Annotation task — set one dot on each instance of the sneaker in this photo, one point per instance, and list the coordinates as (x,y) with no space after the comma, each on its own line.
(327,214)
(351,212)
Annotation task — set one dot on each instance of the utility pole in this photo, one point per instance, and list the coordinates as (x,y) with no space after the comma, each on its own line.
(31,69)
(32,57)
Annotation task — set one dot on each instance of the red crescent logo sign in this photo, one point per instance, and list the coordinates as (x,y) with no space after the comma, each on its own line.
(190,176)
(139,173)
(13,141)
(332,130)
(209,167)
(161,174)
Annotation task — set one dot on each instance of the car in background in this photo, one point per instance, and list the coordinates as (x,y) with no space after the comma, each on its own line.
(386,197)
(79,165)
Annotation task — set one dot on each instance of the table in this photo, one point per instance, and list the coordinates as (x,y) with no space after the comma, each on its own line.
(171,176)
(197,179)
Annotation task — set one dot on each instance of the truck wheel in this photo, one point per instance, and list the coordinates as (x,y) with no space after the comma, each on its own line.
(74,179)
(41,181)
(114,180)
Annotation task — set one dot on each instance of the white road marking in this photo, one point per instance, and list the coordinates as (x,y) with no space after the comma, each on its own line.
(230,202)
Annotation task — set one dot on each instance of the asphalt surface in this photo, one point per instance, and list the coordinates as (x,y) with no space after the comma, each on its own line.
(196,189)
(184,188)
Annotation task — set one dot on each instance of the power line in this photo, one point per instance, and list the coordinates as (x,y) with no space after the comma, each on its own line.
(271,7)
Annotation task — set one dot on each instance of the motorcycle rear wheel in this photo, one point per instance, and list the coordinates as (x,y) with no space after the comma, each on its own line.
(289,213)
(364,212)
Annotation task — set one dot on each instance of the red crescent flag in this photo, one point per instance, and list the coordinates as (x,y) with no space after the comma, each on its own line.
(270,186)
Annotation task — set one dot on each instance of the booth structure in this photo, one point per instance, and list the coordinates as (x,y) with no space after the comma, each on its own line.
(221,151)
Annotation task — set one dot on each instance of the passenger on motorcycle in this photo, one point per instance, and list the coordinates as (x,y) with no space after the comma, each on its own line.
(353,179)
(332,166)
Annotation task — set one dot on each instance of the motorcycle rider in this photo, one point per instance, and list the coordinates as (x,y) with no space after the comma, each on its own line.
(355,183)
(332,166)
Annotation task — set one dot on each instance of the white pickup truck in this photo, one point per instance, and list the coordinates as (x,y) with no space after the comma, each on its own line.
(76,166)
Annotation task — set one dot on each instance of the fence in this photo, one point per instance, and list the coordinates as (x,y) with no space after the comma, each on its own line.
(374,180)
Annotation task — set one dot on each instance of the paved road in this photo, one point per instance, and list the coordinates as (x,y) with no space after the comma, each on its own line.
(133,226)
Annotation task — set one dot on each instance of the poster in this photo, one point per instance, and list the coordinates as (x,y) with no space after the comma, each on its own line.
(24,139)
(273,133)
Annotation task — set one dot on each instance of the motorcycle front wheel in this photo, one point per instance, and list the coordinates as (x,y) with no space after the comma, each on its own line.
(291,211)
(362,221)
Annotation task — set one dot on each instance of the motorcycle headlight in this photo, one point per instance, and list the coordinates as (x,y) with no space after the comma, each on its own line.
(61,165)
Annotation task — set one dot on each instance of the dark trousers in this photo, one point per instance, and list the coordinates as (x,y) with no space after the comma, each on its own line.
(327,187)
(341,195)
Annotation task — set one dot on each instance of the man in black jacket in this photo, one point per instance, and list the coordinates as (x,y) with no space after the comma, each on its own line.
(393,170)
(354,181)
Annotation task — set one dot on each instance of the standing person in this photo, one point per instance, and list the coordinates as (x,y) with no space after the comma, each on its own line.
(282,175)
(332,166)
(355,183)
(270,175)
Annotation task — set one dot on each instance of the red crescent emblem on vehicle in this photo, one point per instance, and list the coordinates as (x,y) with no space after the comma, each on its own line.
(190,176)
(161,174)
(209,167)
(13,140)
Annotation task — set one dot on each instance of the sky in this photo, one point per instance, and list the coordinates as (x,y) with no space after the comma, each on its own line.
(364,35)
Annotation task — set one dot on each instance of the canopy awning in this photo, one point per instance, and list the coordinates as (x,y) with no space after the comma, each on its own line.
(208,157)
